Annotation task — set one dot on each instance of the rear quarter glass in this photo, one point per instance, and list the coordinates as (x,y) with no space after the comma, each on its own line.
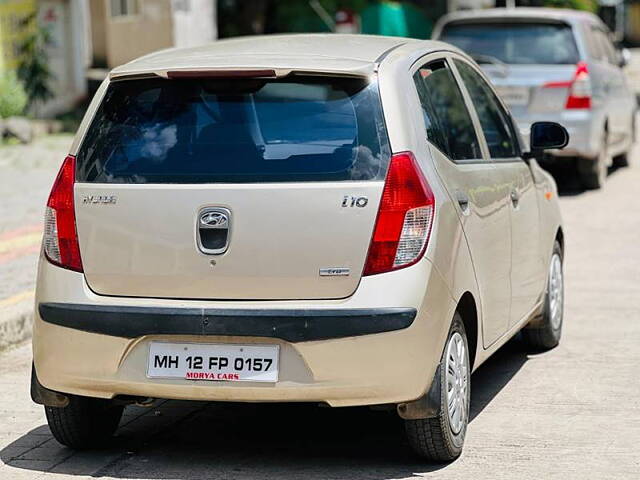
(203,130)
(519,42)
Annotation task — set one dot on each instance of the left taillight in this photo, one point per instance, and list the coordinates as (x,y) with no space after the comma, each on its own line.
(404,220)
(60,235)
(579,88)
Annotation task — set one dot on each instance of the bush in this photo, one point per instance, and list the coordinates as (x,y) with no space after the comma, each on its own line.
(13,98)
(588,5)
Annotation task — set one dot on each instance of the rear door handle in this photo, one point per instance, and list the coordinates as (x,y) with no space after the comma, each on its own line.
(515,197)
(463,201)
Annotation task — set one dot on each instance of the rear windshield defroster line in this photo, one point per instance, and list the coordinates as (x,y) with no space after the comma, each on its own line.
(203,130)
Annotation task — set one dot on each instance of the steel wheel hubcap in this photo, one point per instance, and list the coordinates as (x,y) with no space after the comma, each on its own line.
(457,382)
(556,293)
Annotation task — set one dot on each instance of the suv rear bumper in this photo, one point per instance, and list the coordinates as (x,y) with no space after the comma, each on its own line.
(381,345)
(584,127)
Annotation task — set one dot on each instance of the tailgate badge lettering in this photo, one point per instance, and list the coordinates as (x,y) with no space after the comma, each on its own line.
(335,272)
(353,201)
(99,199)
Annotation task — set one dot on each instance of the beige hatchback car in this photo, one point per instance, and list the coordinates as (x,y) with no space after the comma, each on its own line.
(346,220)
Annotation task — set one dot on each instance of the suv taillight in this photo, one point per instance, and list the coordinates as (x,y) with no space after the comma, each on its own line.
(404,220)
(60,235)
(579,88)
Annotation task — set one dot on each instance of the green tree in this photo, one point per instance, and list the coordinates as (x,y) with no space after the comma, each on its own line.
(33,67)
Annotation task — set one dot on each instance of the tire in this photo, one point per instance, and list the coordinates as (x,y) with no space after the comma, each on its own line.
(621,161)
(85,423)
(544,332)
(593,172)
(440,439)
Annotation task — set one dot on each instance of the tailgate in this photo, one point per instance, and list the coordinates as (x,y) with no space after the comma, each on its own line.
(525,88)
(251,189)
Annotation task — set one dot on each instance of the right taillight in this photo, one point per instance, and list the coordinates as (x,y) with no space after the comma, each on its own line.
(579,88)
(404,219)
(60,236)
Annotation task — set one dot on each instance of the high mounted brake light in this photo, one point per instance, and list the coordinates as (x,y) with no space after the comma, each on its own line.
(579,88)
(175,74)
(405,217)
(60,235)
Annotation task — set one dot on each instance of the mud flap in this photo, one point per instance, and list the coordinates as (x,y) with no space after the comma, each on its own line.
(44,396)
(427,406)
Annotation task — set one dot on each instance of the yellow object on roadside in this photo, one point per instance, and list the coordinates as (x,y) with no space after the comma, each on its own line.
(12,31)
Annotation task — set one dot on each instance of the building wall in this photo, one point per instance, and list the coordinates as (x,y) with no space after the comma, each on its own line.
(12,12)
(67,52)
(194,22)
(131,36)
(97,17)
(632,33)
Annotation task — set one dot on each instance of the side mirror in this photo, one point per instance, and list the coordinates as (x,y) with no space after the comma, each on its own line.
(546,136)
(624,57)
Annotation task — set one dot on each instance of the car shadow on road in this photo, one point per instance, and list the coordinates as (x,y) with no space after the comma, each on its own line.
(237,441)
(567,180)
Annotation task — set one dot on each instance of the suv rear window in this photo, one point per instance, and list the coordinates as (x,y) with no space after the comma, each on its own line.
(515,43)
(235,131)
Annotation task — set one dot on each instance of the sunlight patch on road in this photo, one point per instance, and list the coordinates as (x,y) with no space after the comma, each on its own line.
(17,298)
(20,242)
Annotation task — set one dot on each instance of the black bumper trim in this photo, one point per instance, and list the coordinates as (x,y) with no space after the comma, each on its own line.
(297,325)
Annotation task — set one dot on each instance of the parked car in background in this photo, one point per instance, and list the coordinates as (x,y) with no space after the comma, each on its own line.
(338,219)
(555,64)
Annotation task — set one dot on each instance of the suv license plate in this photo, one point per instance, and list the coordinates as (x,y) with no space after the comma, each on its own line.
(514,96)
(216,362)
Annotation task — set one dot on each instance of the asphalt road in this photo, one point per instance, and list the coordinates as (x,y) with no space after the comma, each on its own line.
(569,413)
(26,176)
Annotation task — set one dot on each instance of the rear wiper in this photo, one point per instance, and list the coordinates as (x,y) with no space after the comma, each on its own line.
(489,59)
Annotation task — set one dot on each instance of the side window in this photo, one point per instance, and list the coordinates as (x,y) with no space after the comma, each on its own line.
(495,122)
(449,125)
(595,49)
(606,48)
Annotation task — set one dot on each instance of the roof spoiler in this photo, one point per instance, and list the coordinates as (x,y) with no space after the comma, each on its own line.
(222,73)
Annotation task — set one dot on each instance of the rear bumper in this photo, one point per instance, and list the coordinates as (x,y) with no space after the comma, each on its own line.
(291,325)
(382,345)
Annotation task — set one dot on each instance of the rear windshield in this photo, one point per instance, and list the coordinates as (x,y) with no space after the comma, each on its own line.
(236,131)
(514,43)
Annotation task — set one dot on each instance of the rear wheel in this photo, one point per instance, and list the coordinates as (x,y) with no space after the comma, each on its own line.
(593,173)
(441,438)
(544,332)
(623,160)
(85,423)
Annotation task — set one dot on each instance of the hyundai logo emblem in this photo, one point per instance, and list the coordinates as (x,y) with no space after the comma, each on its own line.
(213,230)
(214,220)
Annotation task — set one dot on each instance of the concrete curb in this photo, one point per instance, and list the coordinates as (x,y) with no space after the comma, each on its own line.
(15,324)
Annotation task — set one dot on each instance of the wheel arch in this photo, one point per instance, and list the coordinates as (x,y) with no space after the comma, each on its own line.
(468,311)
(428,406)
(560,239)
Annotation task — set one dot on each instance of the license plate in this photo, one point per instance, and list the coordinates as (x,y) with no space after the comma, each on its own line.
(514,95)
(214,362)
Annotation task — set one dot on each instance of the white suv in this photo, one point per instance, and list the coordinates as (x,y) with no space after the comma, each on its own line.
(554,64)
